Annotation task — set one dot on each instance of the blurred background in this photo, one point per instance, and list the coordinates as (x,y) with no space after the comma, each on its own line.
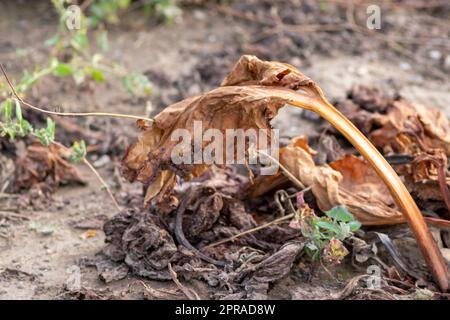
(138,57)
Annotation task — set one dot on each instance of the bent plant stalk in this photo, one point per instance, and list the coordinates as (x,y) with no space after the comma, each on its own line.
(314,100)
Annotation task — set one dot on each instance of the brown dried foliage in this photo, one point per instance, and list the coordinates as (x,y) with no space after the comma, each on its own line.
(240,102)
(45,168)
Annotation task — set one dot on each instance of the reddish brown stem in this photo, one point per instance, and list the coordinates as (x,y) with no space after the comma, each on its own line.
(312,98)
(430,250)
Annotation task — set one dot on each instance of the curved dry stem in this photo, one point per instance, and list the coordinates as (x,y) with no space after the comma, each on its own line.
(249,231)
(97,175)
(102,181)
(70,114)
(84,114)
(313,99)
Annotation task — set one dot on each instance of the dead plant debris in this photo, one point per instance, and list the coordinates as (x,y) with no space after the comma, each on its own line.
(184,216)
(188,210)
(44,168)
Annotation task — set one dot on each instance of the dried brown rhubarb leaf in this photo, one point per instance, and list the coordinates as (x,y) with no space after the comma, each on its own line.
(240,103)
(363,192)
(323,180)
(349,181)
(421,125)
(45,168)
(397,126)
(250,96)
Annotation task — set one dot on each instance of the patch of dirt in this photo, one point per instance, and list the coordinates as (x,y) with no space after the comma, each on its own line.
(43,247)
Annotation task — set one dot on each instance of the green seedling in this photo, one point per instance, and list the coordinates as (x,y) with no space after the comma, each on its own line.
(326,234)
(78,151)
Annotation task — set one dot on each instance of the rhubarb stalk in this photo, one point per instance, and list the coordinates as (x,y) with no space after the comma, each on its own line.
(313,99)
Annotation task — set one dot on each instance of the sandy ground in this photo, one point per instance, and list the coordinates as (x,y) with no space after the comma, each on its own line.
(34,265)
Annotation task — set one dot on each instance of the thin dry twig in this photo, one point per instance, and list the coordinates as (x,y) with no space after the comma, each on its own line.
(249,231)
(97,175)
(158,293)
(284,169)
(104,184)
(349,287)
(70,114)
(8,195)
(179,233)
(188,292)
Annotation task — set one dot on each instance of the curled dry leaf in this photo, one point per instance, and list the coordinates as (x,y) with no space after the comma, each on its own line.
(206,204)
(429,170)
(363,192)
(409,129)
(140,241)
(394,124)
(408,125)
(240,103)
(323,180)
(44,167)
(349,181)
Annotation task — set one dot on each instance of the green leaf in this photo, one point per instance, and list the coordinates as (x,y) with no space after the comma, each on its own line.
(7,110)
(19,117)
(354,225)
(78,151)
(51,128)
(340,213)
(46,136)
(26,81)
(344,231)
(97,75)
(137,84)
(11,133)
(123,4)
(328,226)
(80,40)
(25,127)
(63,70)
